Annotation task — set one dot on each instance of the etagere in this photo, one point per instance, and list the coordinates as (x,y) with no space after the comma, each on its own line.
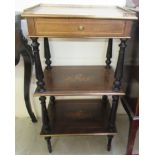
(78,117)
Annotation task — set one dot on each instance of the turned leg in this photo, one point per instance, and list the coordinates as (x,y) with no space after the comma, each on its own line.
(47,54)
(49,146)
(109,53)
(134,125)
(27,80)
(112,120)
(111,126)
(38,68)
(40,84)
(116,87)
(22,48)
(110,137)
(119,67)
(112,117)
(45,118)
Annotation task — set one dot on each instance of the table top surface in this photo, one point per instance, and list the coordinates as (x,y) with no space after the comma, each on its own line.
(79,11)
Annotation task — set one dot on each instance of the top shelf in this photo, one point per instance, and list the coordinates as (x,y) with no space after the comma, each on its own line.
(79,11)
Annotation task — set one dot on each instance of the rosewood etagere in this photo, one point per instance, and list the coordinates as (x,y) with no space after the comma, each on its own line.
(78,117)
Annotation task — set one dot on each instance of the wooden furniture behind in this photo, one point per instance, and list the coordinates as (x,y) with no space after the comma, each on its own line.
(131,79)
(22,48)
(130,103)
(78,117)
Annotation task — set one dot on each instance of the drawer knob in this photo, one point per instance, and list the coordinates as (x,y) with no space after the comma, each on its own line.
(81,28)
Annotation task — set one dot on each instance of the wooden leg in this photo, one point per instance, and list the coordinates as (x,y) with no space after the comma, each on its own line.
(134,125)
(119,67)
(40,84)
(104,101)
(112,120)
(47,54)
(45,118)
(49,146)
(38,68)
(109,53)
(110,137)
(112,117)
(52,100)
(27,80)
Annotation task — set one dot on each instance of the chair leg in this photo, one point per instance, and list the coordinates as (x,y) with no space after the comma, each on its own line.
(110,137)
(134,125)
(49,146)
(27,80)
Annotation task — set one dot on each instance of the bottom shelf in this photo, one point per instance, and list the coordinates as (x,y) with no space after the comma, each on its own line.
(78,117)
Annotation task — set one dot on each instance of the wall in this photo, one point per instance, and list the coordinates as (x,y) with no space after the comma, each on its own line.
(22,4)
(64,52)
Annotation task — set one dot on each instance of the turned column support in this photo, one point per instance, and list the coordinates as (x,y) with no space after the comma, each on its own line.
(40,83)
(112,120)
(38,67)
(45,118)
(47,53)
(109,53)
(112,117)
(119,67)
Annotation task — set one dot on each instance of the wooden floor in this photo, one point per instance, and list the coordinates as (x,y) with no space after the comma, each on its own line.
(29,141)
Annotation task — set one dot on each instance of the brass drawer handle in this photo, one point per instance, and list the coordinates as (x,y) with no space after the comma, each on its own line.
(81,28)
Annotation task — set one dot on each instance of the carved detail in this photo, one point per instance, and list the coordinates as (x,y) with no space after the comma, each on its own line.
(38,67)
(109,53)
(47,53)
(45,119)
(49,146)
(119,68)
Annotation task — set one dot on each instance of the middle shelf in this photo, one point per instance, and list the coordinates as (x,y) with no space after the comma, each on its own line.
(78,81)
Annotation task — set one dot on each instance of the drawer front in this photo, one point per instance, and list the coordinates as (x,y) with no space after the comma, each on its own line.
(62,27)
